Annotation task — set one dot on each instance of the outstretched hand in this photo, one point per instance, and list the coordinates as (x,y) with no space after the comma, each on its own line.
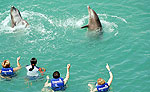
(18,58)
(107,66)
(68,66)
(90,85)
(47,77)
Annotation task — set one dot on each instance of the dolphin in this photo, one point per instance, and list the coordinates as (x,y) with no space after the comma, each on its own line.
(94,22)
(16,18)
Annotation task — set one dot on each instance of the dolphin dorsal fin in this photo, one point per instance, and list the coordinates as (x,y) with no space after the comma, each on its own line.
(85,26)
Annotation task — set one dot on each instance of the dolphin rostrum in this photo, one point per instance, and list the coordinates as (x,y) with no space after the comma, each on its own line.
(94,22)
(16,18)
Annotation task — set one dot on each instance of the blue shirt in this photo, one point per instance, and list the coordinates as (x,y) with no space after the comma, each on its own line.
(57,84)
(102,88)
(7,71)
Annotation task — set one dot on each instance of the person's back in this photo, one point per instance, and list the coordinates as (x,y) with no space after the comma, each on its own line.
(57,83)
(33,72)
(7,71)
(103,88)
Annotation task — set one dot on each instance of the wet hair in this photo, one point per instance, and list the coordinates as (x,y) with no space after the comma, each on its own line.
(100,81)
(56,74)
(33,62)
(6,64)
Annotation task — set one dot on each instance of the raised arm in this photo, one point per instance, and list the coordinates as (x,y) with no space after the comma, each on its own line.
(46,83)
(111,75)
(18,65)
(91,88)
(67,75)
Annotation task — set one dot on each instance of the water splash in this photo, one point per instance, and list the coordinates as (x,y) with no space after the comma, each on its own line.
(106,16)
(110,26)
(32,17)
(70,22)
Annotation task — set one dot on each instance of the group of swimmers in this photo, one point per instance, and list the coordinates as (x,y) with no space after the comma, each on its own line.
(57,83)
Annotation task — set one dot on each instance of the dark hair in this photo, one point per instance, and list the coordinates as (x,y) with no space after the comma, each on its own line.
(33,62)
(56,74)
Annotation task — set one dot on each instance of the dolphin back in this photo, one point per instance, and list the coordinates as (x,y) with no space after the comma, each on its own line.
(94,21)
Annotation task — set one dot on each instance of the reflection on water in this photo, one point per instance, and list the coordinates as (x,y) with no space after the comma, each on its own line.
(97,34)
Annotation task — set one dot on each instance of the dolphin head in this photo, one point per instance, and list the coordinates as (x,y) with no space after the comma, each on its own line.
(91,12)
(13,8)
(88,8)
(15,16)
(15,12)
(94,22)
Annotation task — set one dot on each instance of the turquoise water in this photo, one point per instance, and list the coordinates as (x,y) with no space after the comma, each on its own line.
(54,37)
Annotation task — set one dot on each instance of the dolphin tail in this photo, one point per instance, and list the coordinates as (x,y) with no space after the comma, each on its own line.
(85,26)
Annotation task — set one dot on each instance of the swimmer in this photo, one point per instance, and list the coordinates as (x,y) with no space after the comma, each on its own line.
(101,85)
(32,70)
(57,83)
(7,71)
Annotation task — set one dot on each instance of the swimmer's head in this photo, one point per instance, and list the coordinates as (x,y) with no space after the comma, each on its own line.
(56,74)
(33,61)
(100,81)
(6,64)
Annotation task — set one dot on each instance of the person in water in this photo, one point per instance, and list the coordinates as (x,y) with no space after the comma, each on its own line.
(8,71)
(58,83)
(101,85)
(32,70)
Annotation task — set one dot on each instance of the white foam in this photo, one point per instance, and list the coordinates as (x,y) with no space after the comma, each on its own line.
(106,15)
(120,18)
(5,13)
(31,14)
(109,26)
(71,22)
(82,21)
(6,21)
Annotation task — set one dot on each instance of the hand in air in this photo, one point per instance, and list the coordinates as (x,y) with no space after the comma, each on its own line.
(107,66)
(47,77)
(90,85)
(68,66)
(18,58)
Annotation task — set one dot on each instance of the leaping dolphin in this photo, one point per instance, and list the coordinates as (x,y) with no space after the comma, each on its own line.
(16,18)
(94,22)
